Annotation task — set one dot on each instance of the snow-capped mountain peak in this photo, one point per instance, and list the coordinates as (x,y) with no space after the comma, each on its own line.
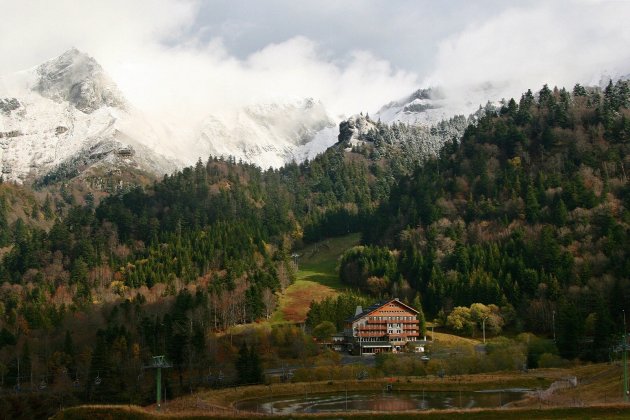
(67,113)
(78,79)
(424,106)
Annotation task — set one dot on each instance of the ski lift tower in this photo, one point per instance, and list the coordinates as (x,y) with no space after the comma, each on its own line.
(159,363)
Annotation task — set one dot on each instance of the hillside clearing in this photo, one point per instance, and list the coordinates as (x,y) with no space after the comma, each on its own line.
(316,279)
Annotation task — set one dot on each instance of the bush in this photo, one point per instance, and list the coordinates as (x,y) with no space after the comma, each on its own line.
(548,360)
(324,330)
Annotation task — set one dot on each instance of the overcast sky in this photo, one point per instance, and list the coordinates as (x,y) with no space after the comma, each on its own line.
(353,55)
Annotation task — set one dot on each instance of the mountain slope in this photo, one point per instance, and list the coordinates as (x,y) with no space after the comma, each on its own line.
(266,134)
(68,112)
(530,211)
(66,115)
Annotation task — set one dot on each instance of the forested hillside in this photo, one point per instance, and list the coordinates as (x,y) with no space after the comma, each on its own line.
(528,214)
(161,269)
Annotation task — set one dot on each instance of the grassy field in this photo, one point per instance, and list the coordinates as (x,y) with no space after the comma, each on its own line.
(316,279)
(318,262)
(452,340)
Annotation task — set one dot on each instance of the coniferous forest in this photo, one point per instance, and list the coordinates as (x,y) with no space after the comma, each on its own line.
(528,213)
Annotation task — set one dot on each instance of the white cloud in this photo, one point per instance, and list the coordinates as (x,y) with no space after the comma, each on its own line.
(147,48)
(180,57)
(34,30)
(559,43)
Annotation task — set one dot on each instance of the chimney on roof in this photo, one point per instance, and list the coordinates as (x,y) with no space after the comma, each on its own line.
(358,311)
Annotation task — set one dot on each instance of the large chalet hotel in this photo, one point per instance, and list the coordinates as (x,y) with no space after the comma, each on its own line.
(383,327)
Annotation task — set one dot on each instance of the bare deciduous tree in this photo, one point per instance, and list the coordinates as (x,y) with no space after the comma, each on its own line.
(269,300)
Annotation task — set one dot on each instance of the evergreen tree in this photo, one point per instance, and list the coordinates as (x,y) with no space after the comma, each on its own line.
(4,224)
(68,348)
(256,371)
(417,305)
(569,331)
(243,364)
(248,365)
(532,208)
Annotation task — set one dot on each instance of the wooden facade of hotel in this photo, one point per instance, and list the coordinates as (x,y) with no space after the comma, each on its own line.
(386,326)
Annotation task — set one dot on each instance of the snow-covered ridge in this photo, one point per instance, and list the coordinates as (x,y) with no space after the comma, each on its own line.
(270,134)
(67,111)
(65,108)
(424,107)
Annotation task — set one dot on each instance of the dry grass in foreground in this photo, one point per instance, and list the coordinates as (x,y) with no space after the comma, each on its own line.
(598,395)
(137,413)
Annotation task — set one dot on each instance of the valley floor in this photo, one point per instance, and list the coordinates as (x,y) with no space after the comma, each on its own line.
(598,394)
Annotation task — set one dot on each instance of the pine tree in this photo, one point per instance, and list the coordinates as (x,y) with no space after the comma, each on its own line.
(422,322)
(532,208)
(243,368)
(4,225)
(255,368)
(560,214)
(68,348)
(579,90)
(569,331)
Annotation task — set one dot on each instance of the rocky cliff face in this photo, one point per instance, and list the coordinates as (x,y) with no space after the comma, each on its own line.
(76,78)
(57,114)
(423,107)
(353,130)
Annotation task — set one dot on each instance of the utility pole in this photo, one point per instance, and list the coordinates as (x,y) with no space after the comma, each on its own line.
(295,260)
(553,324)
(483,326)
(624,343)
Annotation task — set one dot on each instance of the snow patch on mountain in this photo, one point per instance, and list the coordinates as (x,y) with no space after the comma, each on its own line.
(78,79)
(429,106)
(68,113)
(321,141)
(353,130)
(268,135)
(65,108)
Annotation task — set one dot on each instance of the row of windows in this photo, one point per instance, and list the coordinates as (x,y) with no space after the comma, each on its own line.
(381,339)
(383,333)
(392,318)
